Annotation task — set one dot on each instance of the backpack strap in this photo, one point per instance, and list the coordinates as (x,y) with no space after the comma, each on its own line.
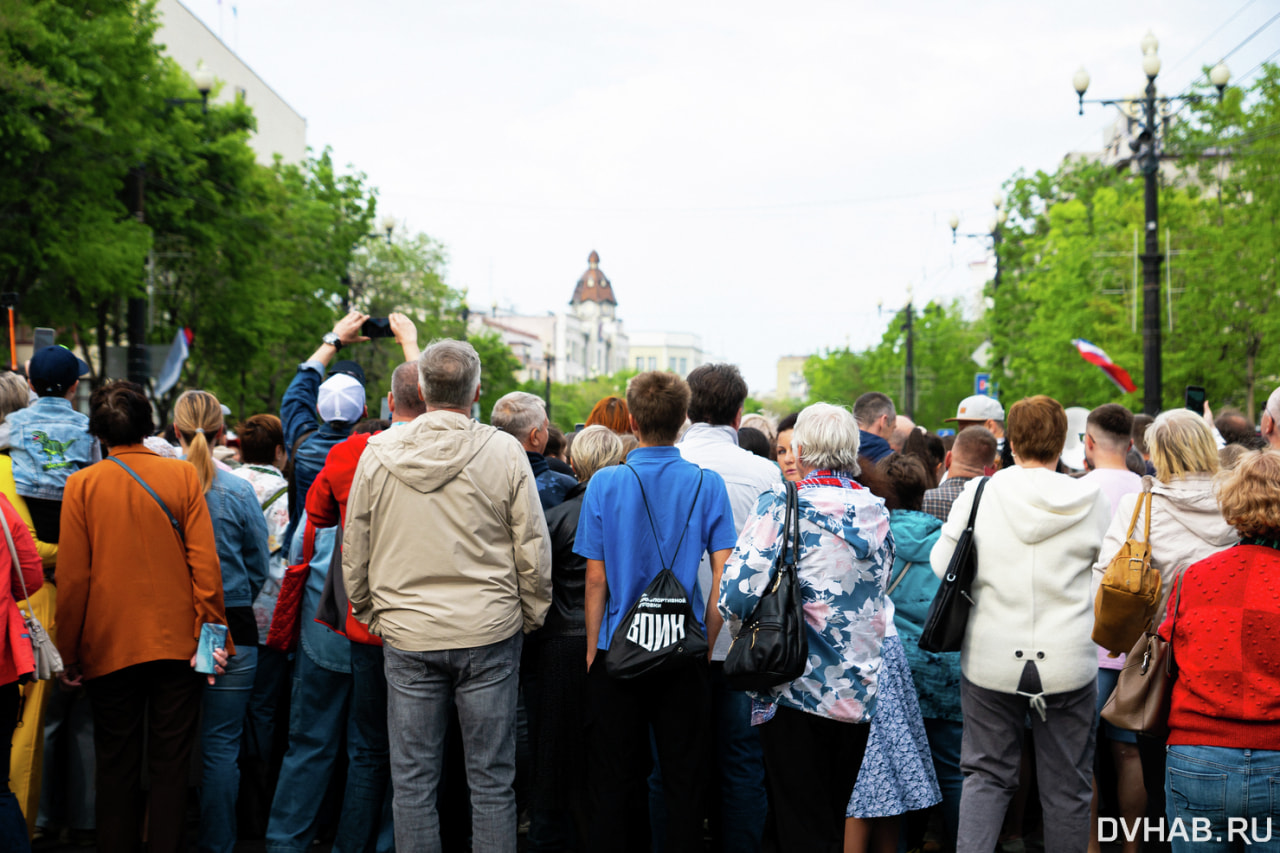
(894,585)
(654,528)
(173,521)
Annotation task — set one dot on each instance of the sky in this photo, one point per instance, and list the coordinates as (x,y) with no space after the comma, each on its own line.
(772,177)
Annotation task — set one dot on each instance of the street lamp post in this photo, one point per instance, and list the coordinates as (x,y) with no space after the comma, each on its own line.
(137,356)
(993,232)
(551,360)
(386,225)
(1147,149)
(909,372)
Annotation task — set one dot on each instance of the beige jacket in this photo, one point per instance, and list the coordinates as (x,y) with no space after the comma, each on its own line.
(445,544)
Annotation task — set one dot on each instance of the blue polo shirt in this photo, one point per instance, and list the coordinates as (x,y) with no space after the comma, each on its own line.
(614,527)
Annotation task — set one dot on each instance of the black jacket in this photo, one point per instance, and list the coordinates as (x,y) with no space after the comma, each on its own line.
(567,616)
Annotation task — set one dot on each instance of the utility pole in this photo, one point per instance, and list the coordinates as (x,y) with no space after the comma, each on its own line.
(139,357)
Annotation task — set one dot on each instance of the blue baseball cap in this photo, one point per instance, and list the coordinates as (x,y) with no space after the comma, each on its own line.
(53,370)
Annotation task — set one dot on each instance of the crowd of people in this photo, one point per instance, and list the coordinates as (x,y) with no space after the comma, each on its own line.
(445,634)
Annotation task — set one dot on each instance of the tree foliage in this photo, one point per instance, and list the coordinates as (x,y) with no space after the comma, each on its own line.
(944,339)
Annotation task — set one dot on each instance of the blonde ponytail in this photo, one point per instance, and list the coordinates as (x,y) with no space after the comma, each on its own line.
(197,415)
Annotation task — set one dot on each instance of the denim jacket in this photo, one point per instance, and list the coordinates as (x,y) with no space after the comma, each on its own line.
(241,536)
(49,441)
(326,648)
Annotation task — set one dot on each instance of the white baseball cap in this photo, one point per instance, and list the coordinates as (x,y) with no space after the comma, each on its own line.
(979,407)
(341,398)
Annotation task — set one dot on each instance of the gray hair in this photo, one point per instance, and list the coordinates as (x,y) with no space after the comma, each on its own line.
(517,413)
(594,448)
(449,374)
(826,436)
(872,406)
(404,391)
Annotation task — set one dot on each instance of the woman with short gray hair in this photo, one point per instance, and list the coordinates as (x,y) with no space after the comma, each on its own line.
(555,680)
(814,729)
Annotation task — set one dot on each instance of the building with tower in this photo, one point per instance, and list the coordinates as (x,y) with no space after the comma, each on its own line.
(584,342)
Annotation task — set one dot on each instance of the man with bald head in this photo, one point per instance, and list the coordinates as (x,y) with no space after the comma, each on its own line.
(1271,420)
(973,452)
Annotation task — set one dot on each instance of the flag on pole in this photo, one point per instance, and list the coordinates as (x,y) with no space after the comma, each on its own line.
(1116,373)
(173,361)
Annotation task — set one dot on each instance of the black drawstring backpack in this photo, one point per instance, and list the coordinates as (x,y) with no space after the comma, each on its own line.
(660,632)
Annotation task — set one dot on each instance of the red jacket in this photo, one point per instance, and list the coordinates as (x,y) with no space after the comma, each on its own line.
(327,507)
(16,659)
(1227,691)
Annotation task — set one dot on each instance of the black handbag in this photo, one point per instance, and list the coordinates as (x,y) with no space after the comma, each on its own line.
(772,647)
(949,612)
(660,632)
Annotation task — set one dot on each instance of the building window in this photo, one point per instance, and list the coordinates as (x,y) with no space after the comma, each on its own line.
(639,363)
(684,366)
(653,362)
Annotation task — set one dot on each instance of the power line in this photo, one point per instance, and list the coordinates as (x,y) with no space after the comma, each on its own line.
(1211,35)
(1204,74)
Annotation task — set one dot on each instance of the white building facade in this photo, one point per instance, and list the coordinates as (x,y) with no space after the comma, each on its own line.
(186,40)
(586,341)
(679,352)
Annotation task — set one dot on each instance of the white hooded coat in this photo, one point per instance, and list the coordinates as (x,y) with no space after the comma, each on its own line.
(1037,535)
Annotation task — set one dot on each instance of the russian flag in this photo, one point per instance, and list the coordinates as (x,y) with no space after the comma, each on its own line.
(1116,373)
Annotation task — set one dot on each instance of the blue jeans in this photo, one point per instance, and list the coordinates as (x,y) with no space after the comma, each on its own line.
(1231,795)
(482,682)
(317,719)
(944,742)
(366,825)
(222,725)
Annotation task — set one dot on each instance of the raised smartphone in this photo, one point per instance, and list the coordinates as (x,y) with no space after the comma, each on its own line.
(212,637)
(377,327)
(1195,399)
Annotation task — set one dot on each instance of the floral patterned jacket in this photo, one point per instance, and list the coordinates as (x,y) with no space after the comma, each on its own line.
(846,552)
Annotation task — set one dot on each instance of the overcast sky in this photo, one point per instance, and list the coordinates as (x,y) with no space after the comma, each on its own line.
(761,174)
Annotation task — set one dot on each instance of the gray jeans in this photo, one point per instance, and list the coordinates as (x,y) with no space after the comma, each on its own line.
(990,752)
(482,682)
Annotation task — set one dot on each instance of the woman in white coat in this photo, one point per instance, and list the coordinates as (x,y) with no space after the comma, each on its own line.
(1027,650)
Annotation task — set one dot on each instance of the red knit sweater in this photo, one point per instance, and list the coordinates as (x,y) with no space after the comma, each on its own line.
(1226,644)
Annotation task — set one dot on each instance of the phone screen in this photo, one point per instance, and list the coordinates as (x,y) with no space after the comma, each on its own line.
(43,338)
(377,327)
(1195,399)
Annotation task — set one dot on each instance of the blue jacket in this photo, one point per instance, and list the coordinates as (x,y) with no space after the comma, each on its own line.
(936,676)
(240,532)
(298,416)
(49,441)
(872,446)
(552,485)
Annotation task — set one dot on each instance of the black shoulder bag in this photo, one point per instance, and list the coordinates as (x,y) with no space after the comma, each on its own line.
(660,632)
(949,612)
(772,647)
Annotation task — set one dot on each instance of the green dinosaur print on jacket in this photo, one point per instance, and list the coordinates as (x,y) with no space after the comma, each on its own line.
(55,450)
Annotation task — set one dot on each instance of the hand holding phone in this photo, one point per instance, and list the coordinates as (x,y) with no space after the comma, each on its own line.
(213,638)
(377,327)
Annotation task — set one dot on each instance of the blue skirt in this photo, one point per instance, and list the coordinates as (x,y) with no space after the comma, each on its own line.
(897,769)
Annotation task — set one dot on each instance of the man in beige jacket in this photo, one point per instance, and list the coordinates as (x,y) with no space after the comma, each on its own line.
(446,557)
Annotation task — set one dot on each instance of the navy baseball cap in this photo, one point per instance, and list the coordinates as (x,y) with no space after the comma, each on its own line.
(350,368)
(53,370)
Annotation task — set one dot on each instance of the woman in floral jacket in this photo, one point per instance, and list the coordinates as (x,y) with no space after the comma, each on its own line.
(814,729)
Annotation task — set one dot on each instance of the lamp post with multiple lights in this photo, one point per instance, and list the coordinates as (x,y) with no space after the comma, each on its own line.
(993,231)
(1153,111)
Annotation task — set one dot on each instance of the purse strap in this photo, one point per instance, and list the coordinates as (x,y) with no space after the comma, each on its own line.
(15,563)
(894,585)
(657,543)
(173,521)
(977,496)
(1143,502)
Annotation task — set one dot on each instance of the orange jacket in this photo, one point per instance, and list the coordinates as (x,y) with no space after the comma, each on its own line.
(128,590)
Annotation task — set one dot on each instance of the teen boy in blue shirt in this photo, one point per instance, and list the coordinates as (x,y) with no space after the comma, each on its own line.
(624,553)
